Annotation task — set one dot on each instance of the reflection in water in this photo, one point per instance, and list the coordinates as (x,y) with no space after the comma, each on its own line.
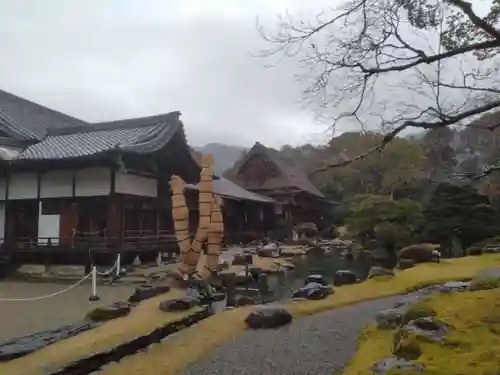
(323,264)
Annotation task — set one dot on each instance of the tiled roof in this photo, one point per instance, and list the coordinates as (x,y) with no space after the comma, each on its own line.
(227,189)
(136,135)
(25,120)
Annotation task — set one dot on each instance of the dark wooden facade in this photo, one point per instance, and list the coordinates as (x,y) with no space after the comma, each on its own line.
(263,171)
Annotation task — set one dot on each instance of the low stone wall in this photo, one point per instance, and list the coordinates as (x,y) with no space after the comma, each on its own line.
(94,362)
(25,345)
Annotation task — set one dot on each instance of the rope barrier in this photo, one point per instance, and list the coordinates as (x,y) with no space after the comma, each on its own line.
(106,273)
(45,296)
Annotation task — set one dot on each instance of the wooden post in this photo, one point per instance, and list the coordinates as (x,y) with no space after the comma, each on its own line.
(230,281)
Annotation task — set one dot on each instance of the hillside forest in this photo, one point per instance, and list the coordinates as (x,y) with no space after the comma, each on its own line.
(425,188)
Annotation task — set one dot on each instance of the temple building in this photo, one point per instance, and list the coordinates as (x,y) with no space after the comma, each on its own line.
(263,171)
(74,192)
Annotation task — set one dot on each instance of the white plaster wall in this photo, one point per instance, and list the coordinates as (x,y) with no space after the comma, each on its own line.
(48,226)
(2,221)
(23,186)
(56,184)
(126,183)
(92,182)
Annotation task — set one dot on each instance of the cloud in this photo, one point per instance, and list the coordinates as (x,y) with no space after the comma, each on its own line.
(110,59)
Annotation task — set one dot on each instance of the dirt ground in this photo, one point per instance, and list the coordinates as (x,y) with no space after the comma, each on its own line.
(24,318)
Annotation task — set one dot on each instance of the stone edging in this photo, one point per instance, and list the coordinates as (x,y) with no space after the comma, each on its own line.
(95,361)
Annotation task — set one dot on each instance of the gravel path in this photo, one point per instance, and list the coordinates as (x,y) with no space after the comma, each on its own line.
(318,344)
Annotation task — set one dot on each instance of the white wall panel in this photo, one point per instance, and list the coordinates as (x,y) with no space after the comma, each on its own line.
(48,227)
(56,184)
(23,186)
(91,182)
(126,183)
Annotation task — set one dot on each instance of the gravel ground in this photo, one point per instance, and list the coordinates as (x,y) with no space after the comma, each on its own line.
(318,344)
(24,318)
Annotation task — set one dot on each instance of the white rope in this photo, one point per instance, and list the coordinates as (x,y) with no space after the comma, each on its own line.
(106,273)
(46,296)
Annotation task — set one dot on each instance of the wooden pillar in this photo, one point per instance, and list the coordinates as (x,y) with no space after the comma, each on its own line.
(114,219)
(68,222)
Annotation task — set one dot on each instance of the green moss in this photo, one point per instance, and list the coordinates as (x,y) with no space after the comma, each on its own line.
(485,284)
(471,346)
(420,309)
(406,346)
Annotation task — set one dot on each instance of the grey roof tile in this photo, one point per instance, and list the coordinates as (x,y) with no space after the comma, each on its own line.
(23,119)
(228,189)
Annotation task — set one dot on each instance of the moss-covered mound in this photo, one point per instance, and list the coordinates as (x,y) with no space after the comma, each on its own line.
(471,345)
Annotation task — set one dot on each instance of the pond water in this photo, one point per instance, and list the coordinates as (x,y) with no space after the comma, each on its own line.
(320,264)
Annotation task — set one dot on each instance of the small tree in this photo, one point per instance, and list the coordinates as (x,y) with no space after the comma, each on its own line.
(458,216)
(393,223)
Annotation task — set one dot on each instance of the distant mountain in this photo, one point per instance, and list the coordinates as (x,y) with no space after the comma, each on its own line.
(224,155)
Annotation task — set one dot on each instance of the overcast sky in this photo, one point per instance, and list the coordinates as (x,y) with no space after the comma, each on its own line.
(112,59)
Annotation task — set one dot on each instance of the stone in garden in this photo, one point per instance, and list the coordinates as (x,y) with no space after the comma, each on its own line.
(404,264)
(344,277)
(377,271)
(486,279)
(268,250)
(178,304)
(383,366)
(115,310)
(313,291)
(428,327)
(245,301)
(452,286)
(268,317)
(27,344)
(390,318)
(316,279)
(148,291)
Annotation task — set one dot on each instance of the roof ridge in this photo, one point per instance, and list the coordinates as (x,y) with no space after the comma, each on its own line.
(130,123)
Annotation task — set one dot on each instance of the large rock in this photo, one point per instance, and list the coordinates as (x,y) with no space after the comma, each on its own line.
(428,327)
(24,345)
(486,279)
(178,304)
(319,279)
(313,291)
(377,271)
(383,366)
(115,310)
(148,291)
(268,250)
(390,318)
(344,277)
(451,286)
(268,317)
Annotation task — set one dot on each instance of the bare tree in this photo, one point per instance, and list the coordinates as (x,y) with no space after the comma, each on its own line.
(394,64)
